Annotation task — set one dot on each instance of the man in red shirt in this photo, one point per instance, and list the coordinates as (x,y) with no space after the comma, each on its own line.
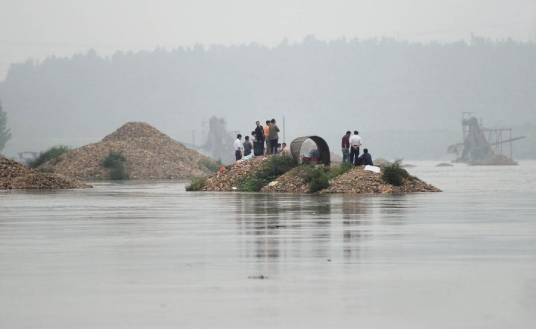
(345,144)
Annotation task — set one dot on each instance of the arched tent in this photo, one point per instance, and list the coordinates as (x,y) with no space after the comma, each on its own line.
(321,144)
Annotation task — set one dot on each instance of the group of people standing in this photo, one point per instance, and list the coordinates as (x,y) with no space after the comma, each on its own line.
(264,140)
(351,144)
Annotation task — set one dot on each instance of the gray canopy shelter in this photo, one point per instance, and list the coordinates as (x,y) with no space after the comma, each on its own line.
(323,148)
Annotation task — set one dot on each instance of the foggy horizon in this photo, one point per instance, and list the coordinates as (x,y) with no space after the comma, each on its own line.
(285,41)
(422,88)
(380,58)
(36,29)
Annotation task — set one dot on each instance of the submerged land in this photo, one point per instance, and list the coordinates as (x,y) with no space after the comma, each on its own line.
(135,151)
(284,174)
(138,151)
(15,176)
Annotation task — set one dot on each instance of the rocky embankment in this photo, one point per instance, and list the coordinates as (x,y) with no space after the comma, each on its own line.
(360,181)
(290,182)
(149,154)
(14,175)
(229,178)
(356,181)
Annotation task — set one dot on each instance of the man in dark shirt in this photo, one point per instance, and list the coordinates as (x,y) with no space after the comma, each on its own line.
(365,159)
(247,147)
(259,139)
(345,144)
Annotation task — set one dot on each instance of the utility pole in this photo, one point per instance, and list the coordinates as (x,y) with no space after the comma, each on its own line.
(284,130)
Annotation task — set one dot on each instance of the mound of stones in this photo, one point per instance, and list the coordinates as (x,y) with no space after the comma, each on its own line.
(290,182)
(229,178)
(356,181)
(14,176)
(360,181)
(149,154)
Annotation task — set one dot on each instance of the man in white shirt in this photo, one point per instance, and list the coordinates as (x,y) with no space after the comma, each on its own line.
(355,144)
(237,146)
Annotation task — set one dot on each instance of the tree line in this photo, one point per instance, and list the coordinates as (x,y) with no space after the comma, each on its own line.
(321,87)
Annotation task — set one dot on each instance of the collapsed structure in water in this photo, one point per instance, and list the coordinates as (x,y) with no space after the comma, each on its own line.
(484,146)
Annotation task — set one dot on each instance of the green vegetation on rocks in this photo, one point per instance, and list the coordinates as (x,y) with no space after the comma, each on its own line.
(316,176)
(51,154)
(197,184)
(274,167)
(394,174)
(115,162)
(253,184)
(210,164)
(307,179)
(280,175)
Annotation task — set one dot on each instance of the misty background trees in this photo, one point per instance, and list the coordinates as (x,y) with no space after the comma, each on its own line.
(406,99)
(5,134)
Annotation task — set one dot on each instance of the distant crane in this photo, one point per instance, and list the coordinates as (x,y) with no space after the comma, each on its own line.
(484,146)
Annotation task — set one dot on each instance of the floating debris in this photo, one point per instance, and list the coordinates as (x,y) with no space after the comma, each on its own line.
(258,277)
(444,164)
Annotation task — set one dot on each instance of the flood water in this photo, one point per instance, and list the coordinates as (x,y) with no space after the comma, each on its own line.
(153,256)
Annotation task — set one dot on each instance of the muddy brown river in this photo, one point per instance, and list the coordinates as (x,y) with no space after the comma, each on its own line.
(150,255)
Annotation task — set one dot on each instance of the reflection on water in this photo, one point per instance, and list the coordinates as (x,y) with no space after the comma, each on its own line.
(152,256)
(275,222)
(272,220)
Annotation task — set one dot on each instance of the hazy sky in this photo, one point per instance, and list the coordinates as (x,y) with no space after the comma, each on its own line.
(39,28)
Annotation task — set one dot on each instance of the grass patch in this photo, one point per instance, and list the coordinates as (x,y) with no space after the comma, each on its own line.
(394,174)
(115,162)
(274,167)
(197,184)
(211,165)
(253,184)
(316,176)
(50,154)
